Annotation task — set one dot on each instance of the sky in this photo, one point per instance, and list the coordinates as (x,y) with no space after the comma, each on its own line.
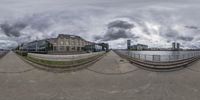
(156,23)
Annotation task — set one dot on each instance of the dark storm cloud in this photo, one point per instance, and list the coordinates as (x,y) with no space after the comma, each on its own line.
(192,27)
(116,30)
(12,30)
(39,23)
(175,36)
(185,38)
(120,24)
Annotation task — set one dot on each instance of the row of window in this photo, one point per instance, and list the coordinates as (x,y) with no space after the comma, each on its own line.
(66,48)
(74,43)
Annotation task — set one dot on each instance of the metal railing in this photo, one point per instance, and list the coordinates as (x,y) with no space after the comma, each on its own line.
(160,58)
(3,53)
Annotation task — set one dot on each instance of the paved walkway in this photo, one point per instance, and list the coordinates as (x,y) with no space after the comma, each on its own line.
(97,82)
(113,64)
(12,63)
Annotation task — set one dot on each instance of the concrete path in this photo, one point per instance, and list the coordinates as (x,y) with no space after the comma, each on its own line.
(12,63)
(98,82)
(113,64)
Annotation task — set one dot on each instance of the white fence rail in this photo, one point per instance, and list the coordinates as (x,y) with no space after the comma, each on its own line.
(159,58)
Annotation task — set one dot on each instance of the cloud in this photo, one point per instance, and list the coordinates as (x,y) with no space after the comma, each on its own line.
(185,38)
(155,23)
(120,24)
(116,30)
(192,27)
(12,29)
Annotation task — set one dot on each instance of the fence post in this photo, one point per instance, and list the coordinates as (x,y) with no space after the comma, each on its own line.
(73,60)
(153,58)
(139,56)
(160,57)
(145,56)
(177,57)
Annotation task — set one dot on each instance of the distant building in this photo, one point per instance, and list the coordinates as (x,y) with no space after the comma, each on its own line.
(128,44)
(175,46)
(93,48)
(178,46)
(139,47)
(105,46)
(142,47)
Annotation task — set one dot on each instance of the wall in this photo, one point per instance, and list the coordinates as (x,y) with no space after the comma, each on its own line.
(63,57)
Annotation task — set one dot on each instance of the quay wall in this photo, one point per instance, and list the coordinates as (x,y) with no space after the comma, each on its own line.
(64,57)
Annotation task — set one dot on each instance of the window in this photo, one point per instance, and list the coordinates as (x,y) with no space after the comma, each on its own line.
(61,43)
(62,48)
(54,48)
(67,48)
(67,42)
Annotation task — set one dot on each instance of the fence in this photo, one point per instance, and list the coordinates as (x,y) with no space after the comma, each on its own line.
(159,58)
(3,53)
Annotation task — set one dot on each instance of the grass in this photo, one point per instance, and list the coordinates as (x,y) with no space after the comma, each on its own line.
(61,63)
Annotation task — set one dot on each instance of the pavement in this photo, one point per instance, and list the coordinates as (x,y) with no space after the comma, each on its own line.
(111,78)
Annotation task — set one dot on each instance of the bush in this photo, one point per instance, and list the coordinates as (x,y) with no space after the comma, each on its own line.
(22,53)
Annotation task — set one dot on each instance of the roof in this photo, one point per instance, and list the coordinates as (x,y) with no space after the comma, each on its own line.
(68,36)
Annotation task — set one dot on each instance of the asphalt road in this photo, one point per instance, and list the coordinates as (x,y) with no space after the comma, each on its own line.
(111,78)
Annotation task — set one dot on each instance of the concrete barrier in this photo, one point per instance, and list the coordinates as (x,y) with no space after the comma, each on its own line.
(64,57)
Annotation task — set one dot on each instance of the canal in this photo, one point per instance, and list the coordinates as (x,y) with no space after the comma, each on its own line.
(161,55)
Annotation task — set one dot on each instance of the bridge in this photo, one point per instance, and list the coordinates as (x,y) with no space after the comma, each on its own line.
(110,78)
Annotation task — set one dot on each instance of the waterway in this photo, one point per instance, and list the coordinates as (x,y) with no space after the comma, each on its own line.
(161,55)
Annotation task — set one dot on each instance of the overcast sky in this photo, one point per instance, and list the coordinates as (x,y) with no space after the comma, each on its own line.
(156,23)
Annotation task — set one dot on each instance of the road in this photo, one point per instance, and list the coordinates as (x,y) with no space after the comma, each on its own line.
(111,78)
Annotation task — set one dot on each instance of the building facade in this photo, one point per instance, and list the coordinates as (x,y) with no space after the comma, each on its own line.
(38,46)
(65,43)
(128,44)
(175,46)
(139,47)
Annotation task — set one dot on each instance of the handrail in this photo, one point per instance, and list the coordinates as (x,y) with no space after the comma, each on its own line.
(160,66)
(160,58)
